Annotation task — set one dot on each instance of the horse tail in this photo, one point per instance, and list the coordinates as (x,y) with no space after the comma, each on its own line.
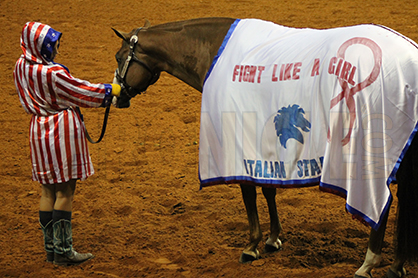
(407,216)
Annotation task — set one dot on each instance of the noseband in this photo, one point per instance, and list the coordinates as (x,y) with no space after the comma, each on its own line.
(132,57)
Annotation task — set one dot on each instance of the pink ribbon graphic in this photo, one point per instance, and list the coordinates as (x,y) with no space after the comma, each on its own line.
(347,93)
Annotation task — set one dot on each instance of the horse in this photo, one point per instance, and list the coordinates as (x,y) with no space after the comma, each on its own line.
(187,49)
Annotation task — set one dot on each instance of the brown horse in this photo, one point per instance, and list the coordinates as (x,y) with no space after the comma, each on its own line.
(186,50)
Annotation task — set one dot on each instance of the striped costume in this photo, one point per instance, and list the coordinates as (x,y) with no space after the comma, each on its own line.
(48,91)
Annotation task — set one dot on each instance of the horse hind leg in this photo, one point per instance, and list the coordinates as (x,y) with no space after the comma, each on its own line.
(374,251)
(407,214)
(249,195)
(273,243)
(397,270)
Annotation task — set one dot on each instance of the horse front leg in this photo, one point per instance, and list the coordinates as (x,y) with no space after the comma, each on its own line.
(374,251)
(249,195)
(273,243)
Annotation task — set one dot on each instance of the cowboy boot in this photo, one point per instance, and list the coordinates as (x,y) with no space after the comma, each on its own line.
(64,254)
(48,233)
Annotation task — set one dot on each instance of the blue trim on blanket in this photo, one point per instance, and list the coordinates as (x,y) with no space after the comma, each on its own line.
(261,182)
(302,183)
(343,193)
(221,49)
(392,176)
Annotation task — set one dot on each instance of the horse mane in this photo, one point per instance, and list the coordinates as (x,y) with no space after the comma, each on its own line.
(178,26)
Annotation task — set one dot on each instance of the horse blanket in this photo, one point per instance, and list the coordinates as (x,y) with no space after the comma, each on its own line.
(285,107)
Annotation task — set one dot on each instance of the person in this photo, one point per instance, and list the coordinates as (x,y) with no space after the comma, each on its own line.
(58,146)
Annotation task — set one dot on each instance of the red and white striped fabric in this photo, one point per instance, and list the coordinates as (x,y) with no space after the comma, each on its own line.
(48,91)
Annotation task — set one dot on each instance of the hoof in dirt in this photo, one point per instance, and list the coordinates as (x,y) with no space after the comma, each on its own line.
(272,248)
(248,258)
(392,274)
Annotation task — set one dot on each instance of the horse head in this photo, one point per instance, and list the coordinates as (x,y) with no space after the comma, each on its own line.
(136,70)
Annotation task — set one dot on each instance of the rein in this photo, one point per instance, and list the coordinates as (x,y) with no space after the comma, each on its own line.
(106,116)
(121,78)
(132,57)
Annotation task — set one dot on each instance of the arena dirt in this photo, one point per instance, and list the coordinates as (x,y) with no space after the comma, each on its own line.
(142,214)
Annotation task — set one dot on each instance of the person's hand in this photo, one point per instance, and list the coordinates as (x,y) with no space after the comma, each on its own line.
(115,90)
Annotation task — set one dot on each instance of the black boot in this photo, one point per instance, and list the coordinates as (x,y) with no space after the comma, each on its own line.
(48,232)
(64,254)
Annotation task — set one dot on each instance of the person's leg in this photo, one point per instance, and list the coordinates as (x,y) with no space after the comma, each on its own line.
(64,193)
(46,207)
(64,254)
(47,198)
(63,206)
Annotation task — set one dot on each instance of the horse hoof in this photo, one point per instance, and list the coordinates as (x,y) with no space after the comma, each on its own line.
(272,248)
(399,274)
(358,276)
(248,258)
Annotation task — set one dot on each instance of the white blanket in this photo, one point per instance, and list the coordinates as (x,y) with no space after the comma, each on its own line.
(287,107)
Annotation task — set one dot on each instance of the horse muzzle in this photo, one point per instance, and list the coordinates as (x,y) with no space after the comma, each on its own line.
(121,102)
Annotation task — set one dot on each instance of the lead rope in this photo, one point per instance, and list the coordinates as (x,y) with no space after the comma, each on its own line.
(133,41)
(103,127)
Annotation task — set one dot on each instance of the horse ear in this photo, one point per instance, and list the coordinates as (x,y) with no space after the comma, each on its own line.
(147,23)
(121,35)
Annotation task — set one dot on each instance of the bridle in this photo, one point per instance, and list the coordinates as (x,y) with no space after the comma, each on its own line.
(124,86)
(132,57)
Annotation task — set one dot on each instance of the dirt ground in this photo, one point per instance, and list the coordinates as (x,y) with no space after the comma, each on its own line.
(142,214)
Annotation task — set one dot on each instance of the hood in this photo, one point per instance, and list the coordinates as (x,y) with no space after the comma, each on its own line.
(38,41)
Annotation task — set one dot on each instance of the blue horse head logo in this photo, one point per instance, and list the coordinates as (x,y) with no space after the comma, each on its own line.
(288,121)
